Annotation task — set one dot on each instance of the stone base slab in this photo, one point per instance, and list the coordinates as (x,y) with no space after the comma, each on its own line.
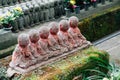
(19,70)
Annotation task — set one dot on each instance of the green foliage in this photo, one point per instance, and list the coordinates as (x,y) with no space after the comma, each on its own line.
(3,73)
(74,65)
(32,77)
(100,25)
(90,62)
(4,77)
(8,17)
(102,70)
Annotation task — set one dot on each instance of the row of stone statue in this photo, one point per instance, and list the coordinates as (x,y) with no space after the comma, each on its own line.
(36,11)
(11,2)
(5,3)
(47,42)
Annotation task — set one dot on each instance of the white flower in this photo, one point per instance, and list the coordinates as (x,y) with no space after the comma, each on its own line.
(105,79)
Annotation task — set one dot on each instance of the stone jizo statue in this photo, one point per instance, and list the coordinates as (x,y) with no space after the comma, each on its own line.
(54,39)
(35,46)
(39,47)
(64,36)
(75,32)
(22,56)
(44,41)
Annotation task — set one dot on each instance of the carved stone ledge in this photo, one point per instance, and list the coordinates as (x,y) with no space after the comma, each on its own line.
(11,71)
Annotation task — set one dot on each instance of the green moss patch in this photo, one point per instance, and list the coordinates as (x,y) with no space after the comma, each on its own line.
(70,67)
(100,25)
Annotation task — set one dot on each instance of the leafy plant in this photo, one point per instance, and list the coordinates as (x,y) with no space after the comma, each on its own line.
(3,73)
(8,17)
(17,12)
(103,71)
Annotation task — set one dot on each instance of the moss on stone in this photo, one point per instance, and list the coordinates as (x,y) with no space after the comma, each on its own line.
(102,24)
(70,67)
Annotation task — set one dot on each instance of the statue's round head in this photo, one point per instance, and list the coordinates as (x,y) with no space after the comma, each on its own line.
(53,28)
(73,21)
(34,36)
(64,26)
(23,40)
(44,32)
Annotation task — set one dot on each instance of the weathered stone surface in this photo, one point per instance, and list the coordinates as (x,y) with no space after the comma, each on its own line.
(20,70)
(68,67)
(112,45)
(6,52)
(7,38)
(64,69)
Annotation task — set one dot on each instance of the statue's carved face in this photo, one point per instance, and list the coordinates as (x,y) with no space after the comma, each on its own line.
(44,33)
(35,39)
(64,26)
(54,30)
(23,40)
(73,21)
(34,36)
(73,24)
(23,46)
